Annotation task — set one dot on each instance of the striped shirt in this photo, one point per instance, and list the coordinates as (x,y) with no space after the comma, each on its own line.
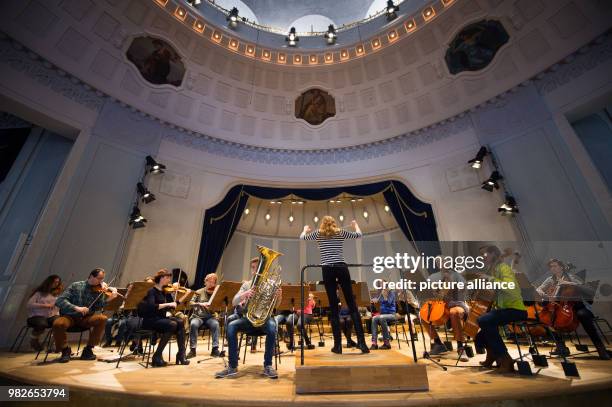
(331,248)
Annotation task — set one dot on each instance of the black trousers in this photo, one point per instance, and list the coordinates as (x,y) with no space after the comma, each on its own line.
(586,317)
(39,324)
(170,325)
(334,275)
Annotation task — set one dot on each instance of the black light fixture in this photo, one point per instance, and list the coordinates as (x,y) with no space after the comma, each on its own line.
(292,38)
(153,166)
(232,17)
(392,10)
(509,207)
(136,219)
(145,194)
(492,183)
(194,2)
(476,162)
(330,35)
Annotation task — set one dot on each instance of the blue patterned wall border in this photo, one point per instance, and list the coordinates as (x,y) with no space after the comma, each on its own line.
(23,60)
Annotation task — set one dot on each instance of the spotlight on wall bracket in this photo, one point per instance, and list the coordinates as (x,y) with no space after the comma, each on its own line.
(194,3)
(330,35)
(392,10)
(153,166)
(492,183)
(292,38)
(136,219)
(145,194)
(509,207)
(232,18)
(476,162)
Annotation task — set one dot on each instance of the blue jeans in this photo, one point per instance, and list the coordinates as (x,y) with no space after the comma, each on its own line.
(194,326)
(382,319)
(243,325)
(295,319)
(489,328)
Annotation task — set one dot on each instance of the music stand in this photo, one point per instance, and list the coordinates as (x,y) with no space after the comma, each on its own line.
(136,295)
(221,299)
(186,303)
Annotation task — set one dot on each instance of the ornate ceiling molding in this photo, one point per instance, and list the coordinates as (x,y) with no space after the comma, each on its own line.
(29,63)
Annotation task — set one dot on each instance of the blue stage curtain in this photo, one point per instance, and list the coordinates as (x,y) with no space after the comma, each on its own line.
(414,217)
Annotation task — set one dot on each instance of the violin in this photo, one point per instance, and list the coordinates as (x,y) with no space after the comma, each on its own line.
(105,291)
(170,288)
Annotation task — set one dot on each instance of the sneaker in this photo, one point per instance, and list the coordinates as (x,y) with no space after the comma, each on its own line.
(191,354)
(463,357)
(374,346)
(36,345)
(270,372)
(88,354)
(438,349)
(310,346)
(351,344)
(227,372)
(65,358)
(385,346)
(214,352)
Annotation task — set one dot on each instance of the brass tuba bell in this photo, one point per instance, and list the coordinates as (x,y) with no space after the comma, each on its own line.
(265,283)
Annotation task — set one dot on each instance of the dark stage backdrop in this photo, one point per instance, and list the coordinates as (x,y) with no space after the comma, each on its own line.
(414,217)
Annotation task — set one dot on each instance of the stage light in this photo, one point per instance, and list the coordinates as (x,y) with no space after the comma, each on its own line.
(145,194)
(291,218)
(292,38)
(330,35)
(387,209)
(268,216)
(300,202)
(246,211)
(232,18)
(153,166)
(136,219)
(365,213)
(315,219)
(341,217)
(194,2)
(476,162)
(509,207)
(392,10)
(491,183)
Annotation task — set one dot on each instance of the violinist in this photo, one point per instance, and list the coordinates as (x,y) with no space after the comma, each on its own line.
(552,289)
(508,307)
(41,308)
(153,310)
(77,305)
(455,301)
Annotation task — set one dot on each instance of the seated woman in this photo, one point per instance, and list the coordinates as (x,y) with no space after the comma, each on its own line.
(41,308)
(153,309)
(386,299)
(299,319)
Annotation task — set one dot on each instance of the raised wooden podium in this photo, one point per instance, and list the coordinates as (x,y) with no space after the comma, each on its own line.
(378,371)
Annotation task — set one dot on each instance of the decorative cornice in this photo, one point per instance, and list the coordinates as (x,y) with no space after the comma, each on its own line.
(43,72)
(586,59)
(319,157)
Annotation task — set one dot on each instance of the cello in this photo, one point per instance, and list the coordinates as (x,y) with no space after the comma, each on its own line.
(434,312)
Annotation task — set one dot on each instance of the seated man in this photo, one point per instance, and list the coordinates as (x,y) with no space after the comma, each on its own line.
(242,324)
(77,305)
(202,315)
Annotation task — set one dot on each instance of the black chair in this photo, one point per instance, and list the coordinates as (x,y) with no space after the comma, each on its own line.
(138,336)
(23,332)
(254,336)
(72,329)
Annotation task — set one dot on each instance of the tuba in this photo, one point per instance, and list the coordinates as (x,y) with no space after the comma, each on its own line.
(265,283)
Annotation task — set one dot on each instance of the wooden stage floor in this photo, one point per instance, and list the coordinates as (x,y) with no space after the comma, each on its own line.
(99,383)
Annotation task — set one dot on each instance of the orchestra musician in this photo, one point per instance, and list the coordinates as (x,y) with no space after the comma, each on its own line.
(508,307)
(41,308)
(458,309)
(153,310)
(77,306)
(550,289)
(330,239)
(298,318)
(386,299)
(202,315)
(240,323)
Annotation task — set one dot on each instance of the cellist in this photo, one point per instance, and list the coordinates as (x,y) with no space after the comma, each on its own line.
(455,300)
(550,290)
